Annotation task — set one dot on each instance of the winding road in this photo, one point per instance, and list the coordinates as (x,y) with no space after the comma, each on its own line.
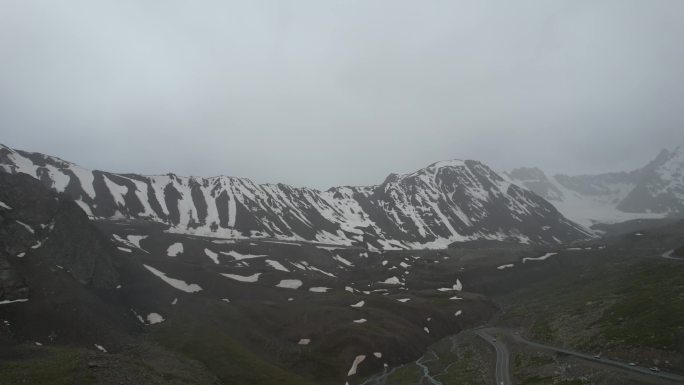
(502,357)
(503,373)
(668,255)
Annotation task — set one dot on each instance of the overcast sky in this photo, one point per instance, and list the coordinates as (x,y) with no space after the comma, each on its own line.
(322,93)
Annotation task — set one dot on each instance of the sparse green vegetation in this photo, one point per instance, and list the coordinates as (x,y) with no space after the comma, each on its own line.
(542,328)
(650,309)
(457,360)
(525,361)
(407,374)
(537,380)
(628,306)
(51,366)
(222,355)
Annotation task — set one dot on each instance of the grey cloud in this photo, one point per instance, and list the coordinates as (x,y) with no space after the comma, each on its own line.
(341,92)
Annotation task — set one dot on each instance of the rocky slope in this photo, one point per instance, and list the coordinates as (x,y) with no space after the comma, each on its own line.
(35,221)
(76,295)
(432,207)
(653,191)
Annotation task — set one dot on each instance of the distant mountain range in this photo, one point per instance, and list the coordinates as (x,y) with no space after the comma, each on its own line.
(446,202)
(653,191)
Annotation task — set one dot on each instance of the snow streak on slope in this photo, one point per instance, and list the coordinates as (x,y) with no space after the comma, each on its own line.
(176,283)
(446,202)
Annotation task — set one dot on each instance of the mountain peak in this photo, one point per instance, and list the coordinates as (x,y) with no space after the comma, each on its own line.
(447,201)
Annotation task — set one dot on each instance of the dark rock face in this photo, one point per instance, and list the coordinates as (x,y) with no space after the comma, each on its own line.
(660,188)
(36,223)
(12,285)
(75,244)
(445,202)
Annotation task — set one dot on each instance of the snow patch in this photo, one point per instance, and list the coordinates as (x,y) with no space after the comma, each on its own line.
(359,359)
(543,257)
(8,301)
(342,260)
(154,318)
(277,265)
(319,289)
(358,304)
(392,281)
(176,283)
(290,283)
(27,227)
(242,278)
(212,255)
(135,239)
(174,249)
(238,257)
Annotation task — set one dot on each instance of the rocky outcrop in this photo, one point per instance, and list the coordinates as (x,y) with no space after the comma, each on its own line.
(39,225)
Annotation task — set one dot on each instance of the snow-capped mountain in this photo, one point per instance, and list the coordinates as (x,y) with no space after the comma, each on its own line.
(654,191)
(445,202)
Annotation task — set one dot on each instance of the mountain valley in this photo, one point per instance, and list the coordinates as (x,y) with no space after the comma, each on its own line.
(104,284)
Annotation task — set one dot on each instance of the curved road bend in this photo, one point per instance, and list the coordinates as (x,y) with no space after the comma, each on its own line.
(603,361)
(668,255)
(503,373)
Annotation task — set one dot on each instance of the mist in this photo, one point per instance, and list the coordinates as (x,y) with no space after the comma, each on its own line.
(331,93)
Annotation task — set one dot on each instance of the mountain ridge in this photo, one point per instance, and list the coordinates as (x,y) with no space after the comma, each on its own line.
(651,192)
(445,202)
